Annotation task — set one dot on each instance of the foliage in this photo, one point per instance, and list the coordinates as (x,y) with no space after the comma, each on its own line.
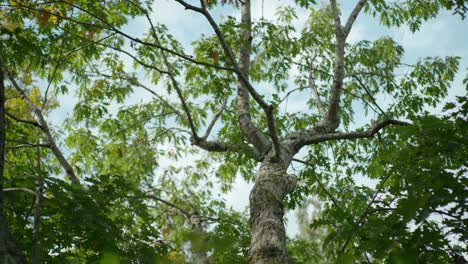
(419,198)
(148,188)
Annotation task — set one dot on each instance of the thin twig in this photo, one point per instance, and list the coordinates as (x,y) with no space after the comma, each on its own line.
(215,118)
(334,201)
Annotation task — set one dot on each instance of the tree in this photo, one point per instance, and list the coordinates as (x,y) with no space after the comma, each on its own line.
(219,83)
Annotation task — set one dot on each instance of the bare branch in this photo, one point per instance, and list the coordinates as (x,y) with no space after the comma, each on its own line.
(331,119)
(290,92)
(315,93)
(336,18)
(354,14)
(184,212)
(334,201)
(20,189)
(370,95)
(219,146)
(28,146)
(251,132)
(215,118)
(189,6)
(314,137)
(23,120)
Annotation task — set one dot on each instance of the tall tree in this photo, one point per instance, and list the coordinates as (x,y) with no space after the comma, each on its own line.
(223,81)
(9,250)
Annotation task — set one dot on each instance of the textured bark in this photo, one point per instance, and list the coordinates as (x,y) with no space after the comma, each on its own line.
(331,120)
(9,250)
(268,243)
(199,252)
(272,184)
(250,131)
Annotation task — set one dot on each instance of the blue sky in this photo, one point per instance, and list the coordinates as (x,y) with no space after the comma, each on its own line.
(446,35)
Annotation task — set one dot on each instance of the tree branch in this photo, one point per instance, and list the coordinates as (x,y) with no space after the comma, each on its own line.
(267,108)
(315,93)
(370,95)
(362,99)
(23,120)
(45,128)
(28,146)
(314,137)
(354,14)
(331,119)
(134,81)
(215,118)
(110,27)
(173,80)
(248,128)
(219,146)
(290,92)
(146,65)
(364,213)
(334,201)
(336,18)
(20,189)
(184,212)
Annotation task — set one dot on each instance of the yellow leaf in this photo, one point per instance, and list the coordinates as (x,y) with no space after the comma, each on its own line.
(8,26)
(173,256)
(5,23)
(53,20)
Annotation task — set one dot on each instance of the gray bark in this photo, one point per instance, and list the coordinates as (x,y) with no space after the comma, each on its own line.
(198,250)
(250,131)
(272,184)
(268,243)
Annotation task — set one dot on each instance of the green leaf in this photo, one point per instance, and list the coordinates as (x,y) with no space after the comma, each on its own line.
(346,258)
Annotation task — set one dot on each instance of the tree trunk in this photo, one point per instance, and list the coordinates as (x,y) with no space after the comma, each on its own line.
(9,250)
(198,245)
(268,245)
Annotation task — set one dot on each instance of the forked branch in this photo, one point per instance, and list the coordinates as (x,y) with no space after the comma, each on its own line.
(331,119)
(267,108)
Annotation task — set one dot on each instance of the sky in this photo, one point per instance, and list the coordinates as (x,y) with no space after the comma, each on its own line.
(446,35)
